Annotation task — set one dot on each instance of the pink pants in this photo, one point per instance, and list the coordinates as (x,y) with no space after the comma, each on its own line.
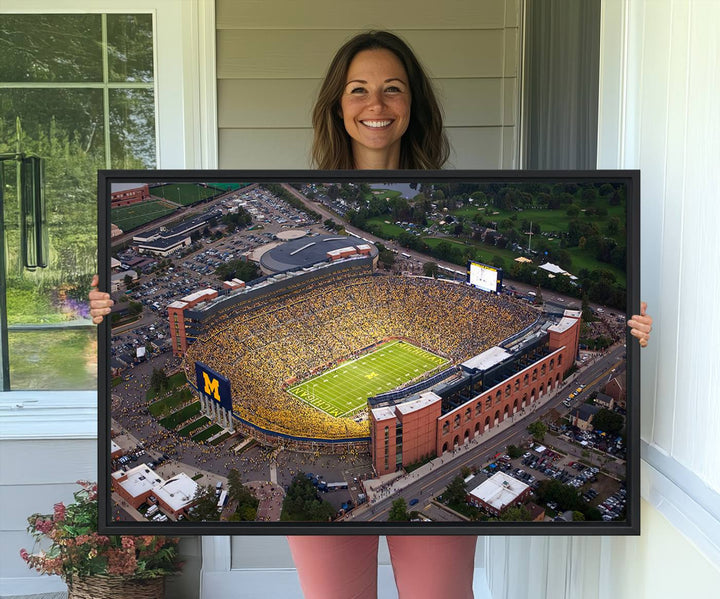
(345,567)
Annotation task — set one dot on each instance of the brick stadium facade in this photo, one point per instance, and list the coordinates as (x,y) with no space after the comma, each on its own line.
(410,431)
(176,317)
(128,197)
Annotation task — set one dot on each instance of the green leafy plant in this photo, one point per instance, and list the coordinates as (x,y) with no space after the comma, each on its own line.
(67,544)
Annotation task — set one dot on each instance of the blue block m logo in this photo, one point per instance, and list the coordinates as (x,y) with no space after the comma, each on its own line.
(212,386)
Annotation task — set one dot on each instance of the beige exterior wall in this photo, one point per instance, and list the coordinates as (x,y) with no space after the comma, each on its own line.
(271,57)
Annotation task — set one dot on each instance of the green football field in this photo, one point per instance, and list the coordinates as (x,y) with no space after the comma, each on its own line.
(345,389)
(183,193)
(136,215)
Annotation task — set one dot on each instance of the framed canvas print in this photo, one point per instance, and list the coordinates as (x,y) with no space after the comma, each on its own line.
(395,352)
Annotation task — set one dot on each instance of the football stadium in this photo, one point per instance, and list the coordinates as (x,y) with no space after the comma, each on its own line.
(305,350)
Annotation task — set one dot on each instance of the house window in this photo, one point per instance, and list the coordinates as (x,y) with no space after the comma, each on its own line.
(77,90)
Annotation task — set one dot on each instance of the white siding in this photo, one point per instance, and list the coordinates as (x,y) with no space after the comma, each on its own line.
(271,58)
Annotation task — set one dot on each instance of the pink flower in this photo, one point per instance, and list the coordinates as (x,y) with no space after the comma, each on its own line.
(128,543)
(59,512)
(121,562)
(24,555)
(43,526)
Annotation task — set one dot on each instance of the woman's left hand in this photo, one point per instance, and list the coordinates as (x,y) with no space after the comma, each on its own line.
(641,325)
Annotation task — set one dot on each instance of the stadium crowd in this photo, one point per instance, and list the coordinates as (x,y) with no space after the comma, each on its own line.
(298,333)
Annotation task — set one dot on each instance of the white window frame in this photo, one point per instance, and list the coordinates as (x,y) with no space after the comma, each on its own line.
(186,137)
(186,134)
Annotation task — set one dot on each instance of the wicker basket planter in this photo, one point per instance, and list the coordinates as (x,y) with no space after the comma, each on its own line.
(116,587)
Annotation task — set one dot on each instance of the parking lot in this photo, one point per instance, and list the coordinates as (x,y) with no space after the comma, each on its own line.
(597,489)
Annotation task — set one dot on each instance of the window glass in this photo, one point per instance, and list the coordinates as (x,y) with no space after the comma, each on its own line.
(37,48)
(78,92)
(130,48)
(132,128)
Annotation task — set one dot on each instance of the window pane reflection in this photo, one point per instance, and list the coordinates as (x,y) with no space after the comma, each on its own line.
(130,47)
(56,359)
(36,48)
(132,128)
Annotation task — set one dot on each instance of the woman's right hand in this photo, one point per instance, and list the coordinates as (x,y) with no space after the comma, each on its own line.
(100,302)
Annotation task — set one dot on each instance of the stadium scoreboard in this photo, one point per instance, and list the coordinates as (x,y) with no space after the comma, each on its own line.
(484,276)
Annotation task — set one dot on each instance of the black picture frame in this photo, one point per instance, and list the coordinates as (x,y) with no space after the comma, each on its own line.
(518,186)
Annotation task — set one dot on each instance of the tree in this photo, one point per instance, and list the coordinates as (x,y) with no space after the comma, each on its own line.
(398,511)
(613,226)
(386,258)
(303,504)
(537,429)
(430,269)
(498,261)
(514,451)
(237,269)
(538,296)
(159,380)
(587,314)
(608,421)
(565,496)
(516,514)
(205,508)
(247,503)
(456,492)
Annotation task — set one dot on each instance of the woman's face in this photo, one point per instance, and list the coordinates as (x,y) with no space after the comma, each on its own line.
(375,107)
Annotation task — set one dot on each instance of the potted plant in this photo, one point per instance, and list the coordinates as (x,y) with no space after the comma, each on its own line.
(96,566)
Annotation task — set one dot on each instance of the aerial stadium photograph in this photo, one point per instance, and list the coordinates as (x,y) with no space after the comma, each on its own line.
(324,351)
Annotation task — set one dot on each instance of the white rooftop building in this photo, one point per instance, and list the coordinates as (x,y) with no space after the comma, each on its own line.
(498,492)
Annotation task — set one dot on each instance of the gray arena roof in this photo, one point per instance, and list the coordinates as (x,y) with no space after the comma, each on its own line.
(308,250)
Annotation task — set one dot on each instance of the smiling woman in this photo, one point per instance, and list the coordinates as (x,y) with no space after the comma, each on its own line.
(375,108)
(377,100)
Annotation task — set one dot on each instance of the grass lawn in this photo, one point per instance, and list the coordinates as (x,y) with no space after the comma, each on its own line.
(207,433)
(168,404)
(388,230)
(183,193)
(186,430)
(132,217)
(181,415)
(481,252)
(220,439)
(549,220)
(585,259)
(345,389)
(383,194)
